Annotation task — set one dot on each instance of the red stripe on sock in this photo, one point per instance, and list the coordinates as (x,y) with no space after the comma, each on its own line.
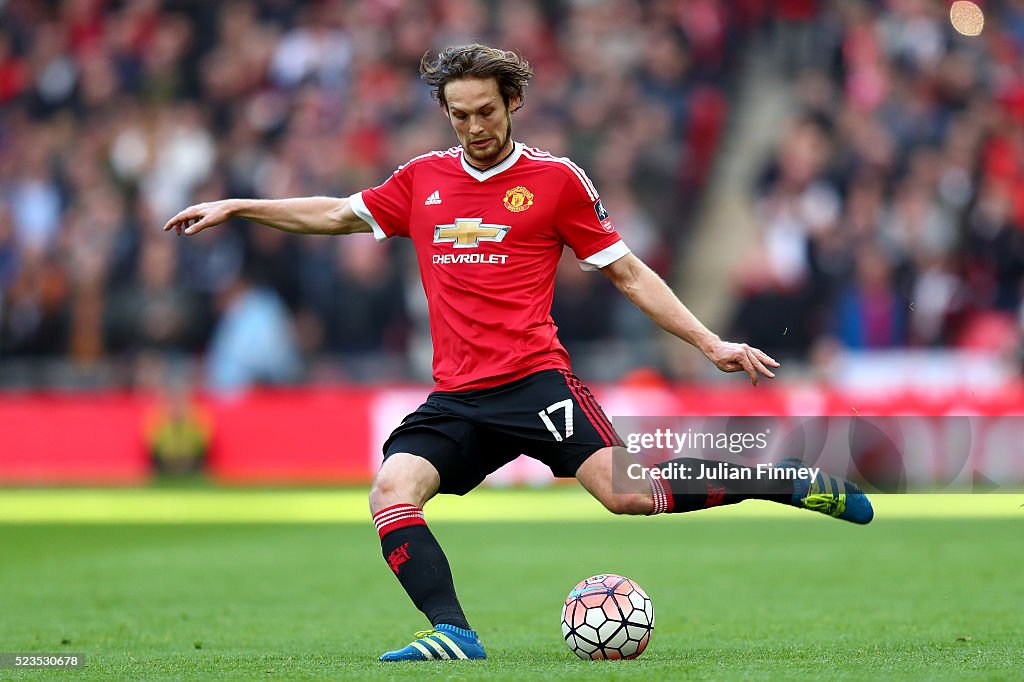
(397,516)
(388,514)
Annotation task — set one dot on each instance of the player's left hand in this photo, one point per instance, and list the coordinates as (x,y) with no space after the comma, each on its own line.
(739,357)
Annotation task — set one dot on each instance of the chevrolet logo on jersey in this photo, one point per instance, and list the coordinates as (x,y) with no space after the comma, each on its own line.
(467,233)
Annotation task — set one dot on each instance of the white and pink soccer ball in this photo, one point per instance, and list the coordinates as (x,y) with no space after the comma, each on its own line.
(607,616)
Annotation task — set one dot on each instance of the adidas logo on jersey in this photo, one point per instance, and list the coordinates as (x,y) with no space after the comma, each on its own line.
(433,199)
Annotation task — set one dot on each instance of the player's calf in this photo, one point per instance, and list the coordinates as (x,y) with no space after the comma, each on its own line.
(633,504)
(601,474)
(409,547)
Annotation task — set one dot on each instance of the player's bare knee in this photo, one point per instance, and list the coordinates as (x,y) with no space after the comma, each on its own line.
(387,491)
(403,479)
(381,495)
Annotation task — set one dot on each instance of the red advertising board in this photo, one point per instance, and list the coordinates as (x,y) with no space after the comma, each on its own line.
(333,435)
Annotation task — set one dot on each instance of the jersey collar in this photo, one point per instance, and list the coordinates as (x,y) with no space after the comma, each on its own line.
(481,175)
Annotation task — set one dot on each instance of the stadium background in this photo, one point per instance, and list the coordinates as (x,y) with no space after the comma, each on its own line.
(836,181)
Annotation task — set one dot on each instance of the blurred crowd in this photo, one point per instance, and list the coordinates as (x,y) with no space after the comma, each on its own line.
(114,115)
(892,215)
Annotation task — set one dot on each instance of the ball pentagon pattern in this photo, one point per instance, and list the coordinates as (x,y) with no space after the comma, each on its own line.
(607,616)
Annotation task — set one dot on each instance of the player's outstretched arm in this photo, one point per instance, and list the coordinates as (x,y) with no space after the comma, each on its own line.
(306,215)
(648,291)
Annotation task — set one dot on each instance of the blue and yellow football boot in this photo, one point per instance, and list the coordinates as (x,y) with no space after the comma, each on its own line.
(443,643)
(828,495)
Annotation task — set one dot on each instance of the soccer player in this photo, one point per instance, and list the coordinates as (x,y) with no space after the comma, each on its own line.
(489,220)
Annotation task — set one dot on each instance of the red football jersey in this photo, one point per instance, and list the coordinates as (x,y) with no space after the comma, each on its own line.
(488,243)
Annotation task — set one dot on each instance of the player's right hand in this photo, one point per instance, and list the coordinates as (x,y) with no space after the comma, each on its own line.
(198,217)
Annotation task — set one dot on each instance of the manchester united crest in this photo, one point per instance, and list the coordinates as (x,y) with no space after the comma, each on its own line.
(518,199)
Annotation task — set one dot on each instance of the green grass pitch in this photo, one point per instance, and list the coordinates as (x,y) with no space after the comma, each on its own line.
(149,585)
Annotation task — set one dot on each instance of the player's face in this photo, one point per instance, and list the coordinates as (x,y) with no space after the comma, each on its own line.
(481,120)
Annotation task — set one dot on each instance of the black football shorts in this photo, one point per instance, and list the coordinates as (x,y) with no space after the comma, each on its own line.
(548,415)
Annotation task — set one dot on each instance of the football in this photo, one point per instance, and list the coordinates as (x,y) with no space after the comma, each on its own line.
(607,616)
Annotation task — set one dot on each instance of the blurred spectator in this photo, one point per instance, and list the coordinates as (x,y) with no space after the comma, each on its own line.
(34,196)
(870,312)
(253,341)
(35,317)
(154,312)
(178,431)
(360,298)
(8,252)
(14,71)
(796,33)
(574,307)
(798,210)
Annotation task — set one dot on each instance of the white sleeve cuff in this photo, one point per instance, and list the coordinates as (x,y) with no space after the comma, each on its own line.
(605,256)
(359,206)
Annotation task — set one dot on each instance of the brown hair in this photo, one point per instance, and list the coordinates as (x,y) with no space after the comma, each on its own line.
(511,71)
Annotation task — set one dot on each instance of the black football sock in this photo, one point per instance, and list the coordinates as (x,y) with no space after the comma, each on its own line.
(689,484)
(418,561)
